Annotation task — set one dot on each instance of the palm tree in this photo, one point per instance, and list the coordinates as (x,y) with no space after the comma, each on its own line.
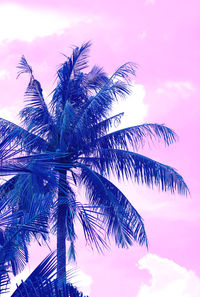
(74,129)
(17,226)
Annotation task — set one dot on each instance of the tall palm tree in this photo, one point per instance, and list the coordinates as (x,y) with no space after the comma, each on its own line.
(74,128)
(17,226)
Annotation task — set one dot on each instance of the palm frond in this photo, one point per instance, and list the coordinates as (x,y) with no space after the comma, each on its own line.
(66,73)
(135,137)
(36,116)
(21,137)
(42,282)
(92,225)
(7,216)
(95,79)
(126,164)
(24,67)
(121,219)
(104,126)
(98,106)
(79,58)
(4,278)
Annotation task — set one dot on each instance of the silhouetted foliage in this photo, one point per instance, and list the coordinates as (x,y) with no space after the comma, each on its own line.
(67,144)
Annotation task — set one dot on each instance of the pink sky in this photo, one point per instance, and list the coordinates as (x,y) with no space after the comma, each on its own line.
(163,39)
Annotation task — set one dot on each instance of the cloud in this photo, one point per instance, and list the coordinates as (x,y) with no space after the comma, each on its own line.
(17,280)
(9,113)
(79,279)
(134,108)
(152,2)
(168,279)
(4,74)
(182,88)
(18,22)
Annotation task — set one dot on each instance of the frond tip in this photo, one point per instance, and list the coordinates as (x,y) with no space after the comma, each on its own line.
(24,67)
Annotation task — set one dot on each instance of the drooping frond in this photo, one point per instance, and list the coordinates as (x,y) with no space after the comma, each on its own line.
(121,219)
(24,67)
(126,164)
(21,137)
(92,225)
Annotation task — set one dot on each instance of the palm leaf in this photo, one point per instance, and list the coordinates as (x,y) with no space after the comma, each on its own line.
(36,116)
(95,79)
(21,137)
(121,219)
(92,225)
(24,67)
(69,69)
(42,282)
(134,136)
(126,164)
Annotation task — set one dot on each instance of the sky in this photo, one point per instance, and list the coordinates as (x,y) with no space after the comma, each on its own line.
(161,37)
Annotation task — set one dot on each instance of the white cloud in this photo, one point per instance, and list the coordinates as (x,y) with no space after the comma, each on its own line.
(18,22)
(17,280)
(152,2)
(182,88)
(168,279)
(134,108)
(4,74)
(9,113)
(79,279)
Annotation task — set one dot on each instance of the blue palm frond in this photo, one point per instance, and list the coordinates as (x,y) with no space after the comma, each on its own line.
(79,58)
(7,216)
(121,219)
(18,227)
(95,79)
(125,71)
(36,116)
(35,218)
(98,106)
(126,164)
(104,126)
(42,282)
(4,279)
(21,137)
(92,225)
(24,67)
(66,73)
(135,137)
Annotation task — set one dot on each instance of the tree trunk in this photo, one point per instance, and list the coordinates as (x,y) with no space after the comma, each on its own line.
(61,233)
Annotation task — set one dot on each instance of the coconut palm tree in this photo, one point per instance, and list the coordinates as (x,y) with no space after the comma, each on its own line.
(75,129)
(17,226)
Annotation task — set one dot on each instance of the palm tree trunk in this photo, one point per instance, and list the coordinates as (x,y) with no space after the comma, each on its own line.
(61,233)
